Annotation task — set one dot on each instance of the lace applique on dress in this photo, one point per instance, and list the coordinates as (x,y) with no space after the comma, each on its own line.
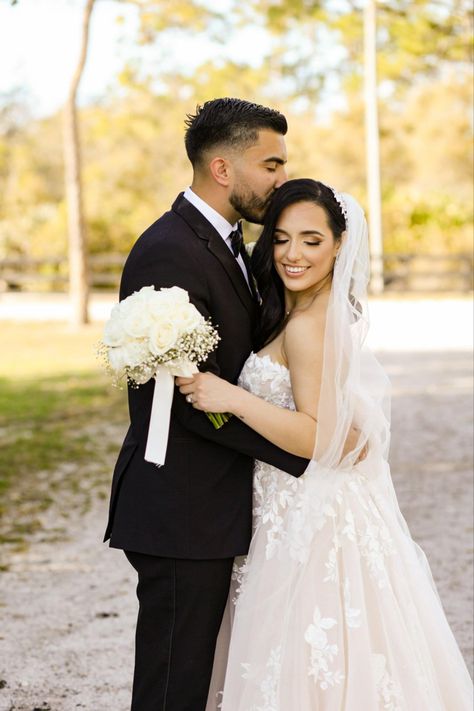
(323,652)
(274,490)
(388,691)
(360,523)
(269,686)
(239,570)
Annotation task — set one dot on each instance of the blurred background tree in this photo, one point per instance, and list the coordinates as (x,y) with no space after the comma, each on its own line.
(79,279)
(309,66)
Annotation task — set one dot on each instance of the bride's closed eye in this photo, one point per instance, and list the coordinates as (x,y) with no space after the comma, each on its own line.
(282,240)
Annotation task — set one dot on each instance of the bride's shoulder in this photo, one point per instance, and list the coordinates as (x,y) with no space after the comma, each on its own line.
(304,333)
(312,319)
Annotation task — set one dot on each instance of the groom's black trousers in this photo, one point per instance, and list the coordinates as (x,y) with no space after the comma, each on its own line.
(181,603)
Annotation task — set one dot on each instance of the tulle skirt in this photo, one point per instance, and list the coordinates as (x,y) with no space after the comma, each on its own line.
(334,608)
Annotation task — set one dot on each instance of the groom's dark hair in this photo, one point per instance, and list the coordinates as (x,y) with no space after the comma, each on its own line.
(228,122)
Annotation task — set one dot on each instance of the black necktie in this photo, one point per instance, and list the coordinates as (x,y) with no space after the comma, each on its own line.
(236,240)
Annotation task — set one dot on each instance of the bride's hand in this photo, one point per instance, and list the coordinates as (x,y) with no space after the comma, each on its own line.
(207,392)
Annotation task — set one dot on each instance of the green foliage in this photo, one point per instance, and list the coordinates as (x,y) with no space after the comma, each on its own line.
(282,14)
(434,223)
(133,153)
(415,37)
(157,16)
(135,163)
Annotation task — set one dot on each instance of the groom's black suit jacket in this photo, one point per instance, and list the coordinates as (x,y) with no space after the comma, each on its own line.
(199,504)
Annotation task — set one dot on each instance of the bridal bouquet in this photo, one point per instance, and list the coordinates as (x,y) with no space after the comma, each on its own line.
(157,334)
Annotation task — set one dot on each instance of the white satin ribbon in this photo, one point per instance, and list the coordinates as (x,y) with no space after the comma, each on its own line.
(158,431)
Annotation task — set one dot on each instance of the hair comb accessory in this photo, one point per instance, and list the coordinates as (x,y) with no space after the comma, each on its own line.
(340,201)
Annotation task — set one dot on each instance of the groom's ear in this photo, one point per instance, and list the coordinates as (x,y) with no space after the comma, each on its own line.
(220,171)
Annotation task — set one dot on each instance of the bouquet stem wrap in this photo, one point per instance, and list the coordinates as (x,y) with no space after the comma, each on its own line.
(158,430)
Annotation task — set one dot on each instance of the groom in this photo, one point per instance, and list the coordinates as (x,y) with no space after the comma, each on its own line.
(182,524)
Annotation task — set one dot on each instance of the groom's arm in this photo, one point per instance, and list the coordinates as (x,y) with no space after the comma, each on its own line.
(237,436)
(171,266)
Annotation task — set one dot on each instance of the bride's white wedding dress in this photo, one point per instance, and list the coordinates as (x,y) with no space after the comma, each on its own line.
(334,608)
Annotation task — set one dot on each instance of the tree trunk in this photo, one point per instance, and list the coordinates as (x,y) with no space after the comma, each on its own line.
(78,267)
(372,148)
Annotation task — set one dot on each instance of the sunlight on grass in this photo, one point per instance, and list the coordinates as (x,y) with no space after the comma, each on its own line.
(60,420)
(42,349)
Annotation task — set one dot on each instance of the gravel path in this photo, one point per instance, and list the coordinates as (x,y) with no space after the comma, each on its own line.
(68,607)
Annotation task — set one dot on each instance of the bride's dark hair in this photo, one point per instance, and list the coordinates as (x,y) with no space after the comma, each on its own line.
(272,317)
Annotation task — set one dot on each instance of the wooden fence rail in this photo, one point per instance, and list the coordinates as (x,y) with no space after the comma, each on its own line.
(402,273)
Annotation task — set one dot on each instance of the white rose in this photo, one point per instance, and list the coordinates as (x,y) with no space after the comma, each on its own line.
(136,353)
(145,292)
(113,334)
(137,300)
(117,359)
(158,311)
(187,317)
(116,311)
(146,297)
(163,336)
(160,304)
(174,295)
(136,320)
(124,307)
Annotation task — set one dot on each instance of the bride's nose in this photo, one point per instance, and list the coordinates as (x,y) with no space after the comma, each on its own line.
(294,251)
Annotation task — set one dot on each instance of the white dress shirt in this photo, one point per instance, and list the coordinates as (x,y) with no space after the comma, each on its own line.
(219,223)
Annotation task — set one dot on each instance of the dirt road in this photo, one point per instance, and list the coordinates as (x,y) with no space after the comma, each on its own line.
(68,606)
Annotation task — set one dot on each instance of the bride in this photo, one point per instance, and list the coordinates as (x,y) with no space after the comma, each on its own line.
(334,607)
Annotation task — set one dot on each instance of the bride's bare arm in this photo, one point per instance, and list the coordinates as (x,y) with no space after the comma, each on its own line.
(293,431)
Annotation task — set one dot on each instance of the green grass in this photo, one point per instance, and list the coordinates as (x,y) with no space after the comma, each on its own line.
(42,419)
(60,422)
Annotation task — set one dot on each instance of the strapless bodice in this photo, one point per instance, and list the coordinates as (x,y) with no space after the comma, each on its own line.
(268,380)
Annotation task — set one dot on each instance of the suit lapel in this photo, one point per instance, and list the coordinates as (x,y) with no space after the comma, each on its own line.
(205,231)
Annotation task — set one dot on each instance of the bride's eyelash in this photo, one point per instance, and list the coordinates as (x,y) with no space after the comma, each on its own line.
(276,240)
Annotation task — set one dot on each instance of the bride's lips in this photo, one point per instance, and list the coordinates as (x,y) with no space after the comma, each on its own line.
(294,272)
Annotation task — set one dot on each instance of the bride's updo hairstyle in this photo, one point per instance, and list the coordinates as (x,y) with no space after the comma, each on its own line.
(272,312)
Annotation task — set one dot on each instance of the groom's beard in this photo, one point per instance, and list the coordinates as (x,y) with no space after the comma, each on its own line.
(249,205)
